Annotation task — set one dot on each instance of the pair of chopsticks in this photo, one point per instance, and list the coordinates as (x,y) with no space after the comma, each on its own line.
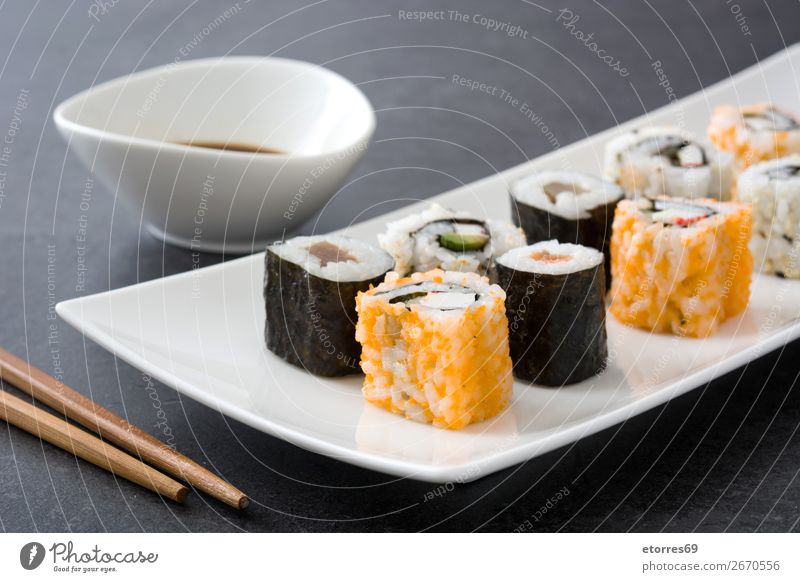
(109,427)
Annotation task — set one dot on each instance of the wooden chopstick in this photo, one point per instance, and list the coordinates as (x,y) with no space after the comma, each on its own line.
(114,429)
(86,446)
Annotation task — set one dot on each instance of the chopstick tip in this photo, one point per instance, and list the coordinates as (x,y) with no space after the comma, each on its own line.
(181,494)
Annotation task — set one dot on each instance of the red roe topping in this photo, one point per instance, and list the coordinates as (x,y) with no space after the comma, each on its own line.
(687,220)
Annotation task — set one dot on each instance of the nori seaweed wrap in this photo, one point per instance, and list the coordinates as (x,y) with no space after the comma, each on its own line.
(310,288)
(556,312)
(570,207)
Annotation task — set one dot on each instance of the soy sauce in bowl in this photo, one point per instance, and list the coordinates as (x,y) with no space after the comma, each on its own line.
(231,147)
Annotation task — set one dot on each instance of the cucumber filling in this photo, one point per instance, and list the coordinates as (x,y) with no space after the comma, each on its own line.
(460,235)
(463,242)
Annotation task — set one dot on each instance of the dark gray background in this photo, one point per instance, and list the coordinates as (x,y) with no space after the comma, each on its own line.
(724,457)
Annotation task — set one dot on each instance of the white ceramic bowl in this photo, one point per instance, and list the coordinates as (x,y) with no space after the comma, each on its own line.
(126,131)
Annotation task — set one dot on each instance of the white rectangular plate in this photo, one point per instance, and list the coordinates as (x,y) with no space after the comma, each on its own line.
(201,333)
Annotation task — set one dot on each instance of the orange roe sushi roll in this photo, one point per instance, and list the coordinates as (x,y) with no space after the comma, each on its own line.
(435,347)
(755,133)
(680,266)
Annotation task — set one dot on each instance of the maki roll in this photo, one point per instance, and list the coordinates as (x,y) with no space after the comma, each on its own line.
(773,190)
(435,347)
(439,238)
(755,133)
(680,266)
(556,311)
(567,206)
(664,161)
(310,287)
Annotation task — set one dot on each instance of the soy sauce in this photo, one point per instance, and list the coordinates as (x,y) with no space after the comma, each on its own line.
(231,146)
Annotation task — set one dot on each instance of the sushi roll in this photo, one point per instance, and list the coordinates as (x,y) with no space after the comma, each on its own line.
(755,133)
(435,347)
(556,311)
(773,189)
(567,206)
(665,161)
(439,238)
(680,266)
(310,287)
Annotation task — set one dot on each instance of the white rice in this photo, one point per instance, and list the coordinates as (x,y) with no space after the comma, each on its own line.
(580,258)
(568,204)
(776,216)
(415,251)
(370,261)
(645,175)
